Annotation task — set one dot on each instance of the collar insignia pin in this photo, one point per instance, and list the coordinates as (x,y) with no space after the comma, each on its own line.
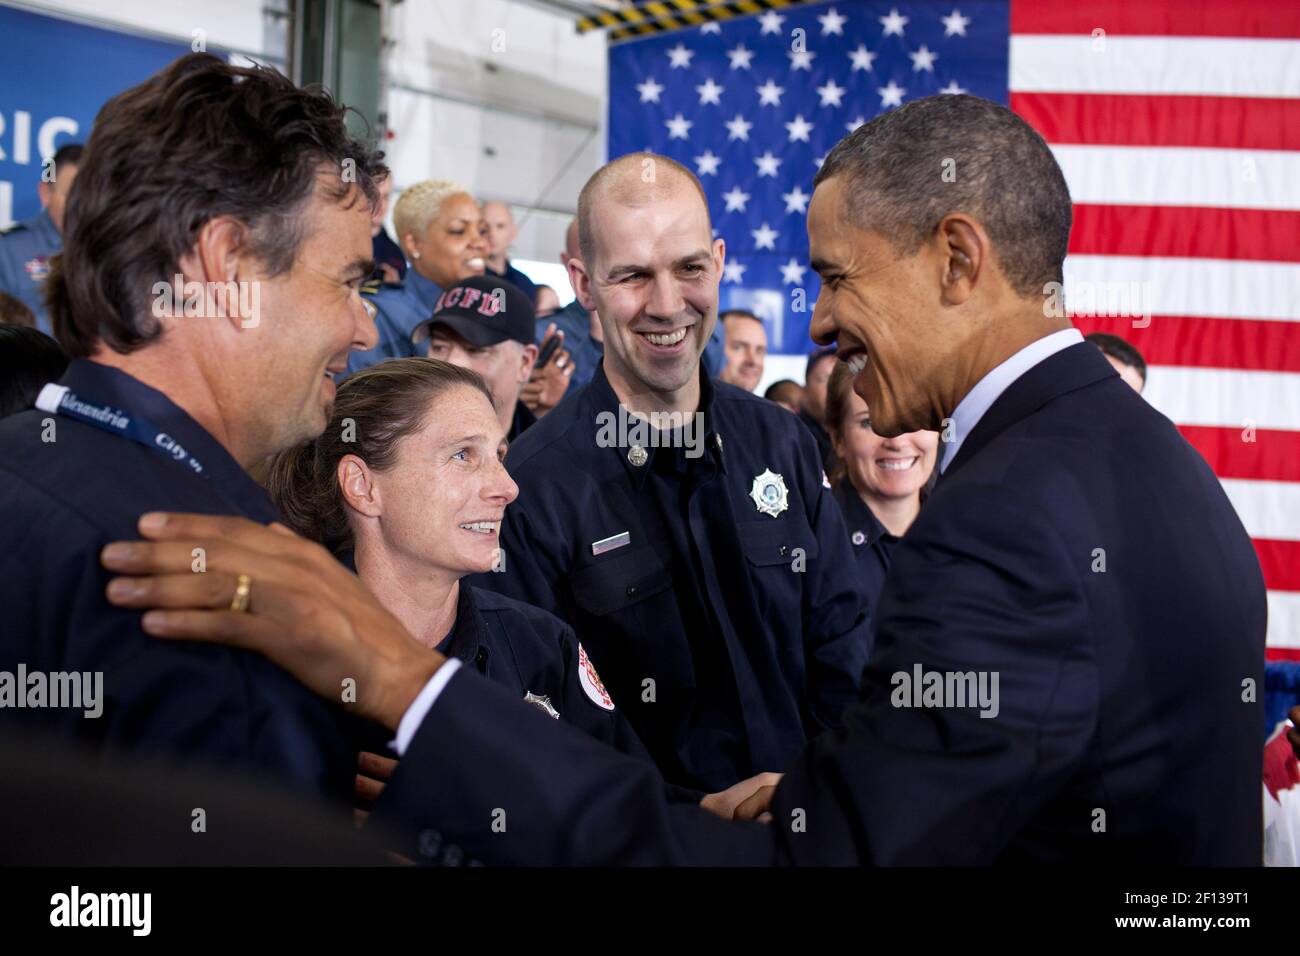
(542,703)
(859,538)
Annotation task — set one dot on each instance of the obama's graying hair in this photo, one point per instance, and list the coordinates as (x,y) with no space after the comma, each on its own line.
(1001,172)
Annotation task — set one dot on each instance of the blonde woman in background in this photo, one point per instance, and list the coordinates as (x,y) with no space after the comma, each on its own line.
(444,237)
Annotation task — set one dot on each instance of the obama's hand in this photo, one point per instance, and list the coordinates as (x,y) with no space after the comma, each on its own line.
(303,609)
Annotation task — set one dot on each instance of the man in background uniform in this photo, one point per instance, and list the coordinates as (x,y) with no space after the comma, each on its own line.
(746,341)
(502,233)
(26,248)
(485,324)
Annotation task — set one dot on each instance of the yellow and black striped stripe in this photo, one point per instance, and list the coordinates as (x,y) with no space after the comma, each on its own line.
(662,16)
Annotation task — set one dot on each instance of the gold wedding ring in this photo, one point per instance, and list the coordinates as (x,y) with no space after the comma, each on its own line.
(242,591)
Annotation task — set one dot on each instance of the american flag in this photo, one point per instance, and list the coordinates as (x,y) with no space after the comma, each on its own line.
(1176,122)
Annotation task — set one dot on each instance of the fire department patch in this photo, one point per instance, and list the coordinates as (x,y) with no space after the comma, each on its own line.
(590,681)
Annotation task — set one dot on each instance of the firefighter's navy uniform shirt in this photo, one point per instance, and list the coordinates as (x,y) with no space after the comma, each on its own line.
(62,501)
(533,654)
(872,544)
(728,636)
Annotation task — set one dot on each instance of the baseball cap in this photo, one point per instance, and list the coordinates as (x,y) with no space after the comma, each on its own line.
(483,310)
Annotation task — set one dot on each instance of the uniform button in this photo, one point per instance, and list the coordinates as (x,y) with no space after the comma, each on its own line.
(631,591)
(784,549)
(430,842)
(480,657)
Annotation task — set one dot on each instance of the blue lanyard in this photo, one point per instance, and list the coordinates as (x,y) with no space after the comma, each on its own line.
(60,399)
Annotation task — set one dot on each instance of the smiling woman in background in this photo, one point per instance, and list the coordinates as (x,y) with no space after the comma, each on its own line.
(878,482)
(442,232)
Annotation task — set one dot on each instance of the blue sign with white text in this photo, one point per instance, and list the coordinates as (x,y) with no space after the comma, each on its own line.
(54,77)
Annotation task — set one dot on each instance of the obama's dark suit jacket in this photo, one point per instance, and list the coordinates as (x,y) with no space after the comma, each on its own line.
(1078,549)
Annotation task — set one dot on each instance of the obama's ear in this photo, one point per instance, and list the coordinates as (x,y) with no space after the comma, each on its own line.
(963,250)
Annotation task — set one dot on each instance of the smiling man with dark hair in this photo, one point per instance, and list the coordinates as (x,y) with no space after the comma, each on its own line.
(209,287)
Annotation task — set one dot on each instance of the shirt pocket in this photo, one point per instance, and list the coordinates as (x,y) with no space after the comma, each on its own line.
(783,541)
(620,581)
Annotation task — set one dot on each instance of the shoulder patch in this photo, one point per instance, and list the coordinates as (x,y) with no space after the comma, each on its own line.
(590,681)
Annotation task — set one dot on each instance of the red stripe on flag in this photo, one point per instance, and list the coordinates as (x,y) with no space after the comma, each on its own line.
(1280,562)
(1282,653)
(1209,18)
(1265,235)
(1225,122)
(1253,344)
(1273,455)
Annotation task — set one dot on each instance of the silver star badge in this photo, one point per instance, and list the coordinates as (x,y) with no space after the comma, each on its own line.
(770,493)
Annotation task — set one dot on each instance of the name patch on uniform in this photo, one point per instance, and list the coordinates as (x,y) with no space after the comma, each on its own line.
(612,543)
(590,681)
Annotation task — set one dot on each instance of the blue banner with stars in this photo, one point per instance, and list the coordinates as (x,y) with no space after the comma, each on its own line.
(754,104)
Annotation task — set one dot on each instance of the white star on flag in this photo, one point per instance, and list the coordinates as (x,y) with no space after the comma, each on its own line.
(801,59)
(680,56)
(771,22)
(818,160)
(767,164)
(799,128)
(893,23)
(861,58)
(855,123)
(713,27)
(769,94)
(649,90)
(709,92)
(952,88)
(833,22)
(955,24)
(738,128)
(891,95)
(733,271)
(796,200)
(678,126)
(923,59)
(831,93)
(740,57)
(765,237)
(792,272)
(735,199)
(707,163)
